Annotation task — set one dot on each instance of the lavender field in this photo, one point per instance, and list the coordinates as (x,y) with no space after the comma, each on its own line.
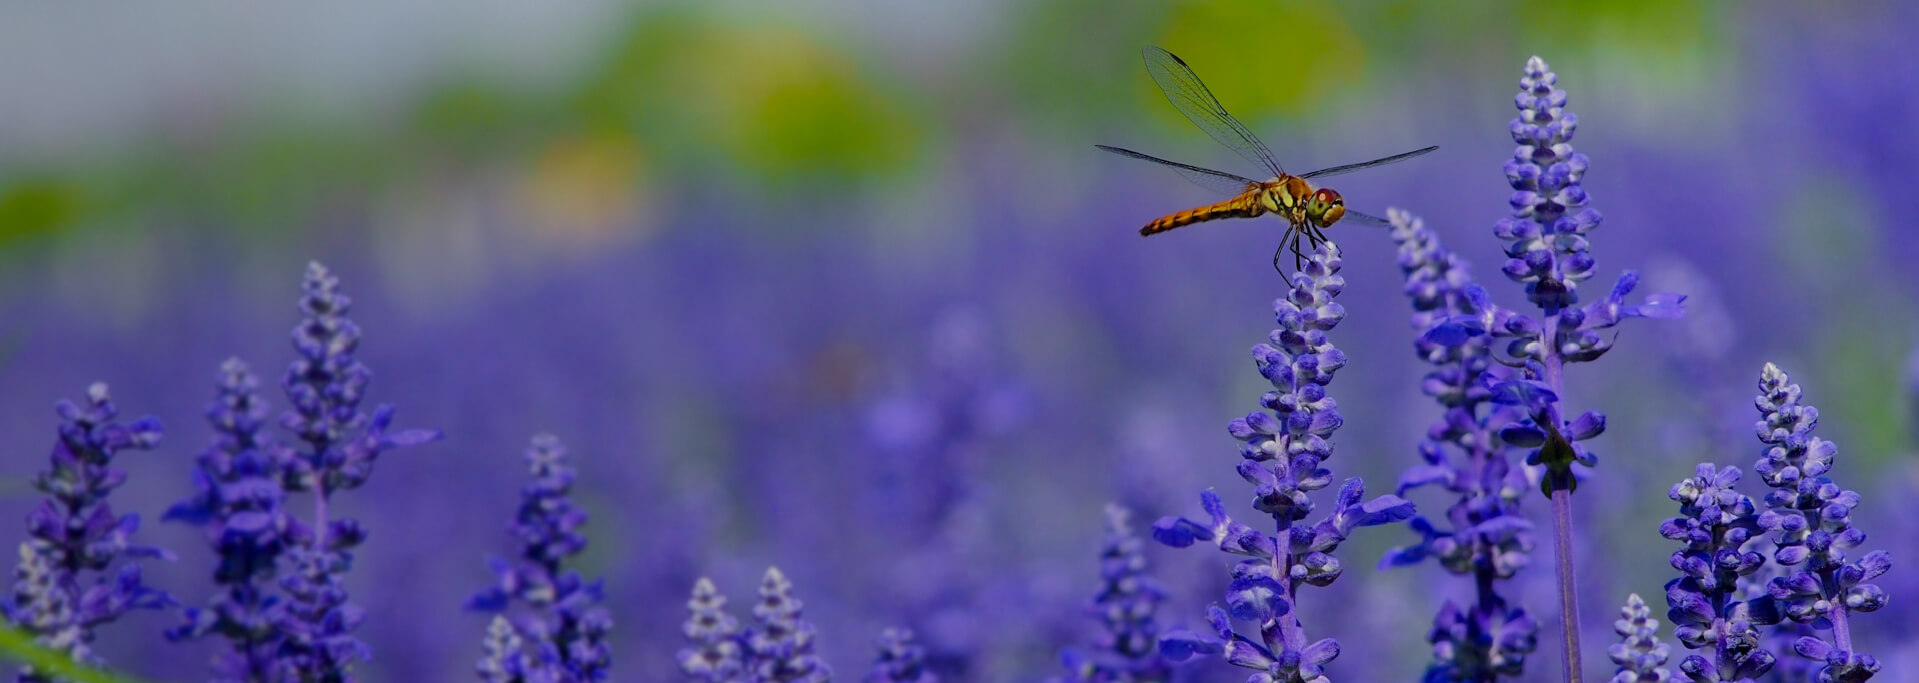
(816,341)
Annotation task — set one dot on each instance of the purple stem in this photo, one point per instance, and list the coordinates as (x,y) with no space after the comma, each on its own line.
(1841,631)
(319,514)
(1562,509)
(1568,604)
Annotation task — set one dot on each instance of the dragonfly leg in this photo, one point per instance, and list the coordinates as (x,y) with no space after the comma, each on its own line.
(1299,257)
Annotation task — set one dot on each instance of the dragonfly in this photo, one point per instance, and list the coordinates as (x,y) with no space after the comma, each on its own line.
(1308,210)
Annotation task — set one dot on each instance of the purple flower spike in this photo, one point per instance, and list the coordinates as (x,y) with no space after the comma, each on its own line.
(1639,654)
(900,659)
(1715,526)
(325,385)
(1286,446)
(563,610)
(1484,534)
(1128,597)
(64,586)
(1546,233)
(717,652)
(239,505)
(1808,518)
(780,645)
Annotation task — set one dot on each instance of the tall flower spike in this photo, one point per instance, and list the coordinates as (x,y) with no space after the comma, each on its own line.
(1546,233)
(325,385)
(1809,519)
(565,615)
(1484,534)
(780,644)
(900,659)
(1715,525)
(1128,597)
(1548,252)
(62,587)
(1283,458)
(1639,654)
(716,655)
(238,505)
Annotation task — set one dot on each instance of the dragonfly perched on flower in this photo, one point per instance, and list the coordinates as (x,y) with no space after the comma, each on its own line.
(1308,211)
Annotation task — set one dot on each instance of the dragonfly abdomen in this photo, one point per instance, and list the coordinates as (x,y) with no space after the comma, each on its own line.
(1243,206)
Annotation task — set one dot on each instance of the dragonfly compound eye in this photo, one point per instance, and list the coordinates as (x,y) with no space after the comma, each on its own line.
(1326,207)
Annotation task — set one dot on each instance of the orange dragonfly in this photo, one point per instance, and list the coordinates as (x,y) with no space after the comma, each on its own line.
(1308,211)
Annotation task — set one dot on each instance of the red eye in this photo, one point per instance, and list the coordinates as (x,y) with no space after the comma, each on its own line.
(1326,195)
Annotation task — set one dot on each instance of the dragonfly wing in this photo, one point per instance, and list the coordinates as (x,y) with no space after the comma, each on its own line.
(1217,181)
(1349,168)
(1358,218)
(1190,97)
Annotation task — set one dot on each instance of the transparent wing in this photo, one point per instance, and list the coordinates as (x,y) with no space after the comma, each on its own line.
(1190,97)
(1217,181)
(1357,218)
(1349,168)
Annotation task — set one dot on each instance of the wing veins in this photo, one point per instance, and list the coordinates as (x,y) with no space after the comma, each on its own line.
(1218,181)
(1382,161)
(1190,96)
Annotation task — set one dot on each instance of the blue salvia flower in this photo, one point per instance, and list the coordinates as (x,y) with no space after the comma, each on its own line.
(900,659)
(717,653)
(567,616)
(1639,654)
(62,590)
(238,503)
(507,658)
(1809,519)
(1548,252)
(1125,606)
(1546,234)
(1283,458)
(1484,534)
(780,644)
(1715,525)
(325,385)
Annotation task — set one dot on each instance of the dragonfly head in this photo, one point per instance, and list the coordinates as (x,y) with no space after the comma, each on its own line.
(1325,207)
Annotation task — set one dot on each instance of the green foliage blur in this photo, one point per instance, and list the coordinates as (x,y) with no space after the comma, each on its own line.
(684,94)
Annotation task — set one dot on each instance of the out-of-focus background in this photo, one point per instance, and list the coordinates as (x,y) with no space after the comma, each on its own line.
(843,286)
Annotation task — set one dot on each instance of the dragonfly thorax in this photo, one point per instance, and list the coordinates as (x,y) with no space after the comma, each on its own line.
(1292,198)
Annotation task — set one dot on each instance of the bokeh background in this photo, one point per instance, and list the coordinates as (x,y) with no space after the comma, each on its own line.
(842,286)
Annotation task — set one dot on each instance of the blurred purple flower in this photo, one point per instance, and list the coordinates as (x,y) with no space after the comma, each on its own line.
(780,644)
(900,659)
(1484,534)
(1128,650)
(73,534)
(717,652)
(325,385)
(1639,654)
(566,616)
(1809,519)
(1283,458)
(238,504)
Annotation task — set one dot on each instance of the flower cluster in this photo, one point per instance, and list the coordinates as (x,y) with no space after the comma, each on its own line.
(564,638)
(238,504)
(716,653)
(1809,520)
(1639,654)
(900,659)
(777,649)
(1283,458)
(1715,525)
(325,385)
(1484,534)
(1128,597)
(1548,252)
(61,590)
